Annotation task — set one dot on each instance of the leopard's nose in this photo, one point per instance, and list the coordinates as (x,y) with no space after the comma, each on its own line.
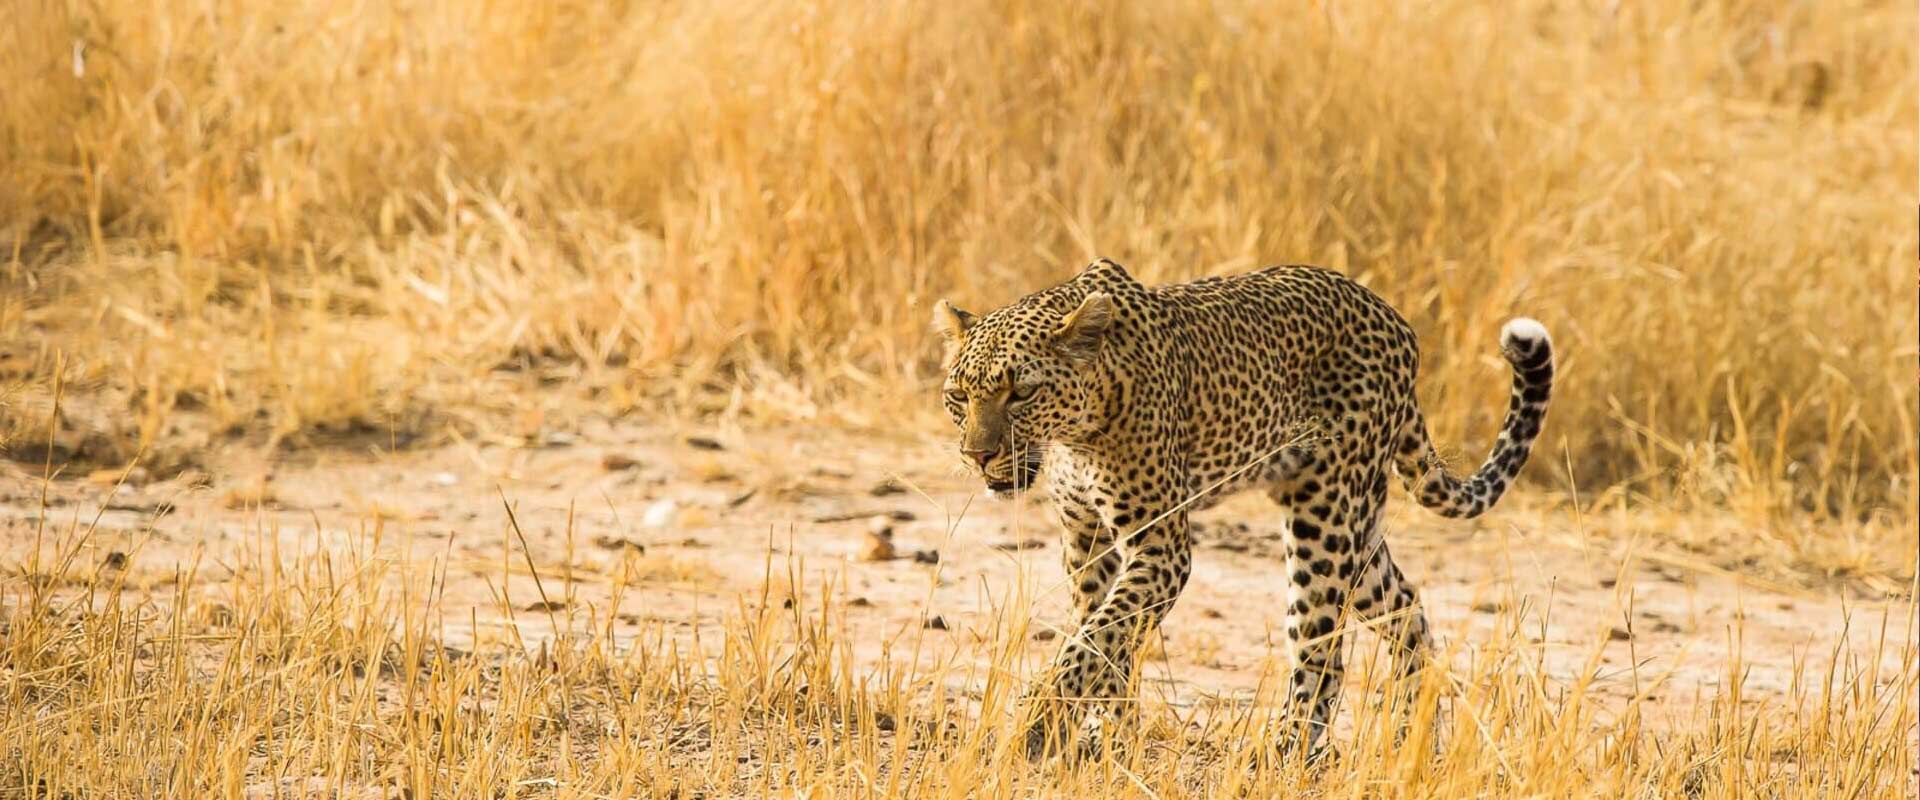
(981,457)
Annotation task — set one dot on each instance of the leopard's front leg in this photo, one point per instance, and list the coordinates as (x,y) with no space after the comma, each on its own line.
(1089,553)
(1084,690)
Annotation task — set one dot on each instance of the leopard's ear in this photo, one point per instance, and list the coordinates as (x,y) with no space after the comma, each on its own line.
(1083,330)
(951,322)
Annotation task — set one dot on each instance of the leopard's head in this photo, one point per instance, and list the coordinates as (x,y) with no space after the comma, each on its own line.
(1023,377)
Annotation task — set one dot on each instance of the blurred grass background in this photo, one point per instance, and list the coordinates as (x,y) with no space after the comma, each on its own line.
(299,220)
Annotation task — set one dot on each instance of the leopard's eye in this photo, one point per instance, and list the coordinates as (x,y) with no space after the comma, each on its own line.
(956,396)
(1022,394)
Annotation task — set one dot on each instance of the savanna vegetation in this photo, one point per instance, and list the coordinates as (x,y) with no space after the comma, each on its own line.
(290,225)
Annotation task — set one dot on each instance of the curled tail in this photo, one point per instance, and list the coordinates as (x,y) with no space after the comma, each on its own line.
(1527,347)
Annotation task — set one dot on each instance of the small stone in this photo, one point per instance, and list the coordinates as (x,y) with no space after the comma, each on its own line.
(1489,607)
(618,462)
(926,556)
(704,443)
(1045,635)
(619,543)
(114,560)
(1212,613)
(883,722)
(896,515)
(445,479)
(878,546)
(1618,634)
(935,622)
(547,605)
(860,602)
(660,514)
(886,488)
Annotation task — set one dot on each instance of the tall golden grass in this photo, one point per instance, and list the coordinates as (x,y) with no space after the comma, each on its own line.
(294,217)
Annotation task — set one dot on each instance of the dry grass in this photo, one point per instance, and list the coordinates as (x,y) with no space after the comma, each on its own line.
(297,219)
(238,224)
(324,672)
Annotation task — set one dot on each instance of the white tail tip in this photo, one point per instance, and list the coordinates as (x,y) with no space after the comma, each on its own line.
(1523,329)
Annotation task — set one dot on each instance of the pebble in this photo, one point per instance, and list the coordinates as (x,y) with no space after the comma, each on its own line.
(660,514)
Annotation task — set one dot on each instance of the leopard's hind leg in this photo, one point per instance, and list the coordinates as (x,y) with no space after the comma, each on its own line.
(1322,524)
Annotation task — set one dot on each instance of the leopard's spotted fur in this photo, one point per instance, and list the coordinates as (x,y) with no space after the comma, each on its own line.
(1145,403)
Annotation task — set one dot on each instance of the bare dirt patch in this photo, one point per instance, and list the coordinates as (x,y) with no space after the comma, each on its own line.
(629,526)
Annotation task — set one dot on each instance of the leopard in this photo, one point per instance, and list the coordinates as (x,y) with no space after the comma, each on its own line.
(1139,405)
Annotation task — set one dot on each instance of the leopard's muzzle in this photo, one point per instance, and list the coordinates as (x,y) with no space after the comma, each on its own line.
(1012,474)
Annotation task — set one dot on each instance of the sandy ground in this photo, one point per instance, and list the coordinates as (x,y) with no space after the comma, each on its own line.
(698,522)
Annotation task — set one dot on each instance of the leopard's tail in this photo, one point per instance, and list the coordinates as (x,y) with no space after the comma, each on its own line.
(1527,347)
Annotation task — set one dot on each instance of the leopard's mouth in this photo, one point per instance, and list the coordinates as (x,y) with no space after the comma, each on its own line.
(1024,471)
